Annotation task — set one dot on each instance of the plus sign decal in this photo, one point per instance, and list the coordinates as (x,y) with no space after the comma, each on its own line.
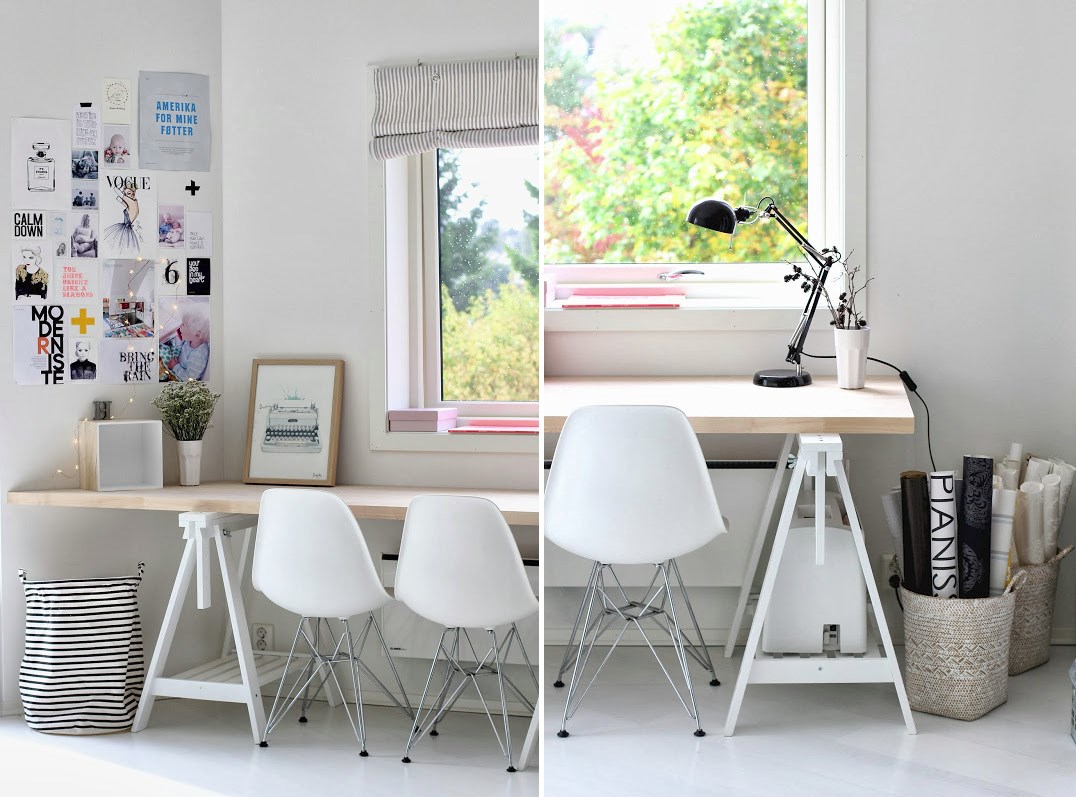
(82,321)
(193,188)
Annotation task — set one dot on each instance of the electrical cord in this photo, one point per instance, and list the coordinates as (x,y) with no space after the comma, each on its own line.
(906,378)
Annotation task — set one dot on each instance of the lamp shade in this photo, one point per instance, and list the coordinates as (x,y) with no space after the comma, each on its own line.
(713,214)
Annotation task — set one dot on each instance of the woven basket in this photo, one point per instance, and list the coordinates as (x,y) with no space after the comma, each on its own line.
(957,652)
(1029,643)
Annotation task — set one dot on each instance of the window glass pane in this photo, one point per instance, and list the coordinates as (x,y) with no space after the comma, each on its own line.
(652,106)
(488,225)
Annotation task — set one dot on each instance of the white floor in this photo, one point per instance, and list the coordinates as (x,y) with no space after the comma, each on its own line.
(203,748)
(631,737)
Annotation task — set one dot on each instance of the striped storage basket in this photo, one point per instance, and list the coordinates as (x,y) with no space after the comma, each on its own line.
(83,669)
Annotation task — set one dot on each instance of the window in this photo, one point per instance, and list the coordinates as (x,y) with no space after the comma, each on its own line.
(480,277)
(453,216)
(652,106)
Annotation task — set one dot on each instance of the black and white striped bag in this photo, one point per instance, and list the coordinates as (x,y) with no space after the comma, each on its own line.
(83,669)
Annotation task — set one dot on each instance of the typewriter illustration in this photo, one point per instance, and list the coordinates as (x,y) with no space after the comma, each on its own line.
(292,426)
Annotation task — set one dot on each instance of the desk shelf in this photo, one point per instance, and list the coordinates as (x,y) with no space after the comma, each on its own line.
(220,679)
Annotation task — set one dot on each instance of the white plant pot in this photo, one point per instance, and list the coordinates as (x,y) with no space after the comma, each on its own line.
(190,462)
(851,347)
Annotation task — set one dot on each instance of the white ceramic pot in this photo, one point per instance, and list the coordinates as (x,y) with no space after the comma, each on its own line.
(851,347)
(190,462)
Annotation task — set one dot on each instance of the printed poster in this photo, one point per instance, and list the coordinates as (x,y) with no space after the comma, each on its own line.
(199,226)
(82,364)
(184,338)
(117,101)
(127,299)
(33,271)
(170,276)
(128,209)
(85,194)
(81,232)
(119,149)
(173,121)
(40,163)
(39,336)
(84,165)
(77,280)
(198,276)
(85,128)
(127,361)
(170,232)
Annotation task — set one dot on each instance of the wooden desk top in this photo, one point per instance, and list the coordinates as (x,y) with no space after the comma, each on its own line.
(733,405)
(381,503)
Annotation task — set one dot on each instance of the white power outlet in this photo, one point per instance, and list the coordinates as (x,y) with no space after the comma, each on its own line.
(884,569)
(261,636)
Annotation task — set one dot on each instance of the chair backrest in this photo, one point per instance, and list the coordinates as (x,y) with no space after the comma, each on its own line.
(459,565)
(310,556)
(629,485)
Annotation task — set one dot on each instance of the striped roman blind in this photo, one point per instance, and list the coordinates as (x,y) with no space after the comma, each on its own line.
(421,107)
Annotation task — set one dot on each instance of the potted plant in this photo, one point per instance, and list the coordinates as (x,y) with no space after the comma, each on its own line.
(851,335)
(186,408)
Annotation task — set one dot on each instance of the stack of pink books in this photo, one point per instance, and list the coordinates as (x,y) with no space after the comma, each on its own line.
(438,419)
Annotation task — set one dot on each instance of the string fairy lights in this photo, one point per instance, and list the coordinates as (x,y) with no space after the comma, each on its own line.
(132,277)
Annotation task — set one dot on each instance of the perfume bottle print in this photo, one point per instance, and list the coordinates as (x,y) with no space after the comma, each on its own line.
(40,169)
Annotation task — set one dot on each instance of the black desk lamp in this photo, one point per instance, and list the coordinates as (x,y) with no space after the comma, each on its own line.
(715,214)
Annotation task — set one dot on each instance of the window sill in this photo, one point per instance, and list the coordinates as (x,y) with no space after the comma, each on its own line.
(443,442)
(731,314)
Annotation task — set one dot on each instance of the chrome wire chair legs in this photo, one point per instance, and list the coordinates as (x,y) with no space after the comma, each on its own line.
(604,604)
(320,668)
(448,652)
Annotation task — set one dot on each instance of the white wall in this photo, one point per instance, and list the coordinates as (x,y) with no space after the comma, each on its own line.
(970,175)
(296,194)
(296,189)
(44,75)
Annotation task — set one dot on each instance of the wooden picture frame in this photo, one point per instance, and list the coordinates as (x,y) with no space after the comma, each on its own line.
(288,439)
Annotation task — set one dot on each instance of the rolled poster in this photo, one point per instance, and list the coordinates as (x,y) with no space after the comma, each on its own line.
(1037,468)
(1051,513)
(1002,509)
(1067,473)
(1030,543)
(915,519)
(974,527)
(944,575)
(891,508)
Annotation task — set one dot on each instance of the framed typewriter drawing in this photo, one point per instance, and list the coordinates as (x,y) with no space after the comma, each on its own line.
(294,422)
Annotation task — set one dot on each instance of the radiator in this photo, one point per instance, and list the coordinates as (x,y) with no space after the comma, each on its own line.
(412,636)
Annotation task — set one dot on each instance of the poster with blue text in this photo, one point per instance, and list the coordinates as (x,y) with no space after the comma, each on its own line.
(174,132)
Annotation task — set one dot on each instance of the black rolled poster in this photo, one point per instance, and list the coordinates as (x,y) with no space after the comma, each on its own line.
(915,520)
(974,527)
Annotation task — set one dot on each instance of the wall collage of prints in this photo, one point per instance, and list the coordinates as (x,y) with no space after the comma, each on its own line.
(111,281)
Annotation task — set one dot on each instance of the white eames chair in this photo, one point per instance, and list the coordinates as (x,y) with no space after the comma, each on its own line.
(460,568)
(310,558)
(628,485)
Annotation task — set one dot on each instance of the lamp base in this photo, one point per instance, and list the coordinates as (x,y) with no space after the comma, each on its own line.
(782,377)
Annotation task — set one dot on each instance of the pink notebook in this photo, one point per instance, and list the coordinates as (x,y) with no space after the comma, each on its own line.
(424,414)
(636,302)
(498,426)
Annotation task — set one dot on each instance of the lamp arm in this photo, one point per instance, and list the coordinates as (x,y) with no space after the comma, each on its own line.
(824,259)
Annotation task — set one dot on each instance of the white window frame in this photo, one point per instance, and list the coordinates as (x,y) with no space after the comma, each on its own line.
(395,368)
(431,309)
(752,296)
